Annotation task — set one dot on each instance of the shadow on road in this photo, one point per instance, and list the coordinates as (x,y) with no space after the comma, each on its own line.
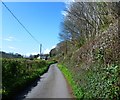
(21,95)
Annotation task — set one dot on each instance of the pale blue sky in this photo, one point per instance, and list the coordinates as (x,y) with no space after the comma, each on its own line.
(42,19)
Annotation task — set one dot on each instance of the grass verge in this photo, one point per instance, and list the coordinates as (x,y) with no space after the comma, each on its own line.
(77,91)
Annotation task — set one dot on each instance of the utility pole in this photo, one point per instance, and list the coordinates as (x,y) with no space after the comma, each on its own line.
(40,49)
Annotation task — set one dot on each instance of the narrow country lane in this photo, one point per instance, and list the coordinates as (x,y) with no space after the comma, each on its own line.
(51,85)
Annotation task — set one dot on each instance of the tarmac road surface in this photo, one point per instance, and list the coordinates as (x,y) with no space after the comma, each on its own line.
(51,85)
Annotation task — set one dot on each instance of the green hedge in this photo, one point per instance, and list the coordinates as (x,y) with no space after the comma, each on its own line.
(100,81)
(18,73)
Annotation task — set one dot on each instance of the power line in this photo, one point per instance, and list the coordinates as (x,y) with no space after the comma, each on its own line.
(20,22)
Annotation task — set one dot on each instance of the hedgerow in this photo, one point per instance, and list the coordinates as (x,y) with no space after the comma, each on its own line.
(18,73)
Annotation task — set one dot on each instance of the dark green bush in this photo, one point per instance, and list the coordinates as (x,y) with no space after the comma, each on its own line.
(18,73)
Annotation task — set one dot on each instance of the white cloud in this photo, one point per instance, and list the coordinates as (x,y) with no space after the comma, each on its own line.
(68,2)
(64,13)
(10,38)
(27,54)
(47,51)
(11,47)
(53,46)
(7,39)
(67,6)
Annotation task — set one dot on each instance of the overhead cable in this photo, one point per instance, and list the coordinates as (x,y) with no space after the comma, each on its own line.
(20,23)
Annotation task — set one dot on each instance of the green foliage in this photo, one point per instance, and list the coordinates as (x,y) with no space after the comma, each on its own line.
(102,82)
(77,91)
(93,51)
(18,73)
(81,41)
(99,55)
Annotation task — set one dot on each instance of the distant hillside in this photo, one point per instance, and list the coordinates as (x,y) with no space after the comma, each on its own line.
(10,55)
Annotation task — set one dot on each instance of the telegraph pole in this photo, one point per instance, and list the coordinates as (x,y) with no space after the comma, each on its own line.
(40,49)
